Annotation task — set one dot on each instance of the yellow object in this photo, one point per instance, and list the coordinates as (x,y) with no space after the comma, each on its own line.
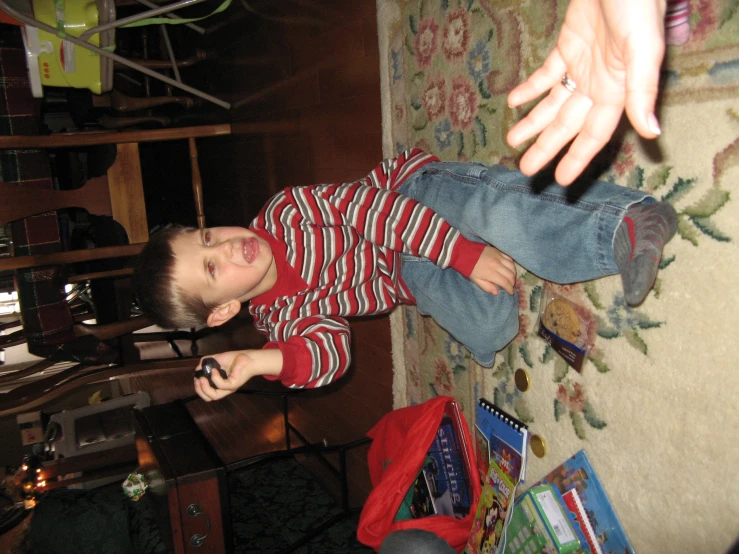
(538,446)
(63,64)
(521,378)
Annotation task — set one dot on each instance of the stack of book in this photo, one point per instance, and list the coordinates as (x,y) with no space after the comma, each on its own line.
(567,512)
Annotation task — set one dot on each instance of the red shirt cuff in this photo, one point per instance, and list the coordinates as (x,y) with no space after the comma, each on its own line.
(465,255)
(295,358)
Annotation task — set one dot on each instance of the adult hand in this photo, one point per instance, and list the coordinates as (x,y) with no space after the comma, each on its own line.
(494,269)
(612,50)
(237,364)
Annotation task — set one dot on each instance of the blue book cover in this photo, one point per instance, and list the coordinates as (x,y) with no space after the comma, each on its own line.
(577,473)
(446,474)
(502,438)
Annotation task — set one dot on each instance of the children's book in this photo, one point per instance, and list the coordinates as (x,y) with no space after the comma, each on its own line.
(501,442)
(493,511)
(443,486)
(593,511)
(447,471)
(500,437)
(540,522)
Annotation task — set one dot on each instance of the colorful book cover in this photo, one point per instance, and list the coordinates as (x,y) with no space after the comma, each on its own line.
(490,521)
(500,437)
(578,474)
(540,524)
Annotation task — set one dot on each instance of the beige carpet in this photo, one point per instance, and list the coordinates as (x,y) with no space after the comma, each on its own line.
(655,407)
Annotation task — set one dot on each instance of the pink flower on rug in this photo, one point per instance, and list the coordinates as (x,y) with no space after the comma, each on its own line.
(443,378)
(425,42)
(462,103)
(523,328)
(523,299)
(574,398)
(708,21)
(624,160)
(456,35)
(414,376)
(433,98)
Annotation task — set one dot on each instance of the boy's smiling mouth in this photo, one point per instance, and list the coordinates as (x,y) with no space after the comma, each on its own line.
(250,248)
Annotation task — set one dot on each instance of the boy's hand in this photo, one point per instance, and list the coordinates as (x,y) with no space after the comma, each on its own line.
(239,367)
(494,269)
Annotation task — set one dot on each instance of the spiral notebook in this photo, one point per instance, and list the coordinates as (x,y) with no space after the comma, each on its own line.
(501,437)
(501,443)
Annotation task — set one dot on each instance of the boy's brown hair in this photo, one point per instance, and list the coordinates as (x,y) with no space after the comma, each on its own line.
(154,284)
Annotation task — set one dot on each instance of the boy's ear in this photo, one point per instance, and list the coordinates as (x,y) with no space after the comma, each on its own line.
(223,313)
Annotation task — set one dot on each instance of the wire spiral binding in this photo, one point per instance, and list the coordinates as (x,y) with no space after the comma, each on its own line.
(503,415)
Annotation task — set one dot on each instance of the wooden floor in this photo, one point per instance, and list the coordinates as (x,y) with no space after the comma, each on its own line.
(324,76)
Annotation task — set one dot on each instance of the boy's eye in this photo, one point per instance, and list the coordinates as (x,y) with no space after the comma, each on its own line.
(212,268)
(206,238)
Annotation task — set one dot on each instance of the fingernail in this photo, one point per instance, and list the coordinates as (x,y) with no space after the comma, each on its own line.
(653,124)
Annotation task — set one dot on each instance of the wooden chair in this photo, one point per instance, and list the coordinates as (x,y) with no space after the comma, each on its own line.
(124,186)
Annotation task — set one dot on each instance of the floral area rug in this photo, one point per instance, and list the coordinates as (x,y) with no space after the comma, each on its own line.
(655,404)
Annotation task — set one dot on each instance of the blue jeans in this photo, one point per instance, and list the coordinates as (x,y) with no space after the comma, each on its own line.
(561,234)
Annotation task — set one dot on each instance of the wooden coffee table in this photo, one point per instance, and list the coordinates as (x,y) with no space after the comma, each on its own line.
(187,480)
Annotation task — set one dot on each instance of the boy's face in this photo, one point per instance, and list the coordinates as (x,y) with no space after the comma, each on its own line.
(223,264)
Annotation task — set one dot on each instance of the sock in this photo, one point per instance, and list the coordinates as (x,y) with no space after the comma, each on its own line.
(638,244)
(677,26)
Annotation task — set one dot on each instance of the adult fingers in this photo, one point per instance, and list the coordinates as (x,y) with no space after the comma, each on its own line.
(539,81)
(568,123)
(596,132)
(642,83)
(537,119)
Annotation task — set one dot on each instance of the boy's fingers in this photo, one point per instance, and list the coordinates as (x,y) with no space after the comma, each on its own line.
(219,381)
(204,390)
(487,286)
(199,390)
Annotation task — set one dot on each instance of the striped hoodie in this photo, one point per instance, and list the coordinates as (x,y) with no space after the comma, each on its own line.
(337,251)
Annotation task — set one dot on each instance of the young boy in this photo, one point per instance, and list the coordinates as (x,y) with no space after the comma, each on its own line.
(442,236)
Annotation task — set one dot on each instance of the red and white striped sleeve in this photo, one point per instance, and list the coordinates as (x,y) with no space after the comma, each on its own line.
(389,219)
(315,350)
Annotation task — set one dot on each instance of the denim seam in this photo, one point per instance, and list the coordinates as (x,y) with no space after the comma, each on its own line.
(466,178)
(578,204)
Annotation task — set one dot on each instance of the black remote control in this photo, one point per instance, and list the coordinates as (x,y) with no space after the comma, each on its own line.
(209,364)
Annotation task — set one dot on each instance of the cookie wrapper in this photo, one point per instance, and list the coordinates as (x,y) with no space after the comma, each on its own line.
(566,326)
